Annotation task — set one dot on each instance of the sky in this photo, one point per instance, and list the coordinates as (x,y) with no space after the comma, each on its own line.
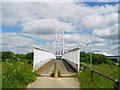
(28,24)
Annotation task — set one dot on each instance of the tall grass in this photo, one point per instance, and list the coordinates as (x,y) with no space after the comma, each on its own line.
(98,81)
(17,74)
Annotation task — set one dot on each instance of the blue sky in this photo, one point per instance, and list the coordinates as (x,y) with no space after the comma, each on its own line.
(100,3)
(83,22)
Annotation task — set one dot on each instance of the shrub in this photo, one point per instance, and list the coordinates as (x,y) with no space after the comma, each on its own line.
(29,55)
(16,74)
(7,55)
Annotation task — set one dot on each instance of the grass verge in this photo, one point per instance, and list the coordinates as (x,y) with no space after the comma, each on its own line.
(17,74)
(98,81)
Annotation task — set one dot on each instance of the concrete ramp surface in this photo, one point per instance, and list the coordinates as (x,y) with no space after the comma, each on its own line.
(49,82)
(49,68)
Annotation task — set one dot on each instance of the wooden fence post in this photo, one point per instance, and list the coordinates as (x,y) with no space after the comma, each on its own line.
(84,67)
(116,84)
(91,74)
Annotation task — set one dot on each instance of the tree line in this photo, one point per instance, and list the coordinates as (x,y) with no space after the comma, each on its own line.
(8,56)
(84,57)
(96,58)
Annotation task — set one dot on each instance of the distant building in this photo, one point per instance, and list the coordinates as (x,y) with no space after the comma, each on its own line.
(114,58)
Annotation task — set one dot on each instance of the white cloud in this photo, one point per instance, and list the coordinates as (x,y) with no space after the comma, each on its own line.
(69,11)
(109,33)
(46,26)
(40,20)
(79,38)
(99,21)
(16,43)
(61,1)
(39,37)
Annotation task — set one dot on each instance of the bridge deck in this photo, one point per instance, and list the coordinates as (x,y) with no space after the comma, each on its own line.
(60,66)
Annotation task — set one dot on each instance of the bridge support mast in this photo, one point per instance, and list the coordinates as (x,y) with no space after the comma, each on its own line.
(59,40)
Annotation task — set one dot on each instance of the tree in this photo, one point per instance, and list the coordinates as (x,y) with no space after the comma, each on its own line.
(29,55)
(21,56)
(96,58)
(7,55)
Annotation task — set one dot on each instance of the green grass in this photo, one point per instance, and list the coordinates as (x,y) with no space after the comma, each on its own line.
(0,75)
(59,73)
(17,74)
(52,74)
(98,81)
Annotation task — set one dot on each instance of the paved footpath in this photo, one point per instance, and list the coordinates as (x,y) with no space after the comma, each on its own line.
(50,82)
(60,66)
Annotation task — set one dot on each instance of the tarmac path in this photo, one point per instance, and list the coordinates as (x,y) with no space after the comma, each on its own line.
(50,68)
(51,82)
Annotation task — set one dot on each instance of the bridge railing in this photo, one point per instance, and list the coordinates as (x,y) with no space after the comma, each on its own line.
(41,57)
(72,57)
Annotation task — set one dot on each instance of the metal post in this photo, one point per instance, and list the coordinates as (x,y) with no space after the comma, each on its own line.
(62,41)
(90,55)
(55,42)
(118,60)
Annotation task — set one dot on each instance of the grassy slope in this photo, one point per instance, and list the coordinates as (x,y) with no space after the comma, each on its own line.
(98,81)
(16,74)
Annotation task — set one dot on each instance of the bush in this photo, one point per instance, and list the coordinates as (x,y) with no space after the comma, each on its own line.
(29,55)
(7,55)
(17,74)
(21,56)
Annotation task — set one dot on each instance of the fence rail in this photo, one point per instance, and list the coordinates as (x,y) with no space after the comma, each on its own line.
(116,81)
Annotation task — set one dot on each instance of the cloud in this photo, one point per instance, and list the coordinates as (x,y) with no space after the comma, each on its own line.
(39,37)
(46,26)
(108,33)
(14,13)
(40,20)
(16,43)
(82,38)
(99,21)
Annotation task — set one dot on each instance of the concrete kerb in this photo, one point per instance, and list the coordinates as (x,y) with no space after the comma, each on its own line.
(55,71)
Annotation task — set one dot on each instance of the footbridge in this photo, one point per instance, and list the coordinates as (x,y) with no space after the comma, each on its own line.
(45,62)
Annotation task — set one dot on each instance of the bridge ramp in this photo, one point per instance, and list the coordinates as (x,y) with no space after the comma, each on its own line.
(49,68)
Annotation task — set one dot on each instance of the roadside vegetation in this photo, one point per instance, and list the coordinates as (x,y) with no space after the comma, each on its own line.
(17,70)
(101,64)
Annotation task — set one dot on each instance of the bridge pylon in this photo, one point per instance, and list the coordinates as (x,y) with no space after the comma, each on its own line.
(59,43)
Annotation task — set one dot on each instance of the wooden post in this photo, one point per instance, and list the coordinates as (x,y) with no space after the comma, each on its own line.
(116,85)
(91,75)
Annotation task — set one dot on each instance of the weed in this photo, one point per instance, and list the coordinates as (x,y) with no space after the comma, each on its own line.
(52,74)
(17,74)
(59,74)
